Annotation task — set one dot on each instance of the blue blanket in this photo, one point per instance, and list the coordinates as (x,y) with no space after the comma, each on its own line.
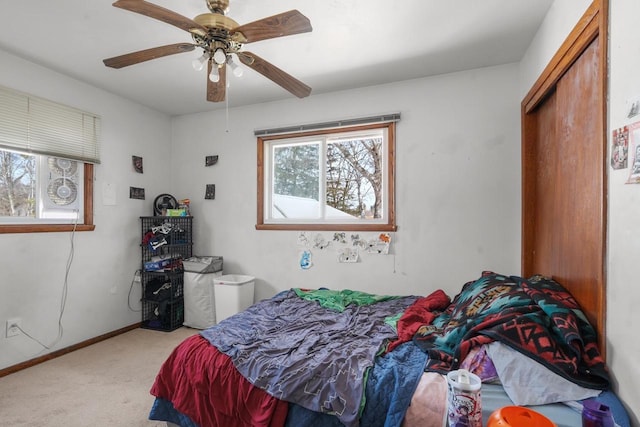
(301,352)
(390,386)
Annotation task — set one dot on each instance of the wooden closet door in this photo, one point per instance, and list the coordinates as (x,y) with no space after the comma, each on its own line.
(564,206)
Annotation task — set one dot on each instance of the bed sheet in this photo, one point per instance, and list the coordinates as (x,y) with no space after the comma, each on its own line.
(389,388)
(493,397)
(298,350)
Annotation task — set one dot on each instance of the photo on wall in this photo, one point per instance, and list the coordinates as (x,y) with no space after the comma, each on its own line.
(136,193)
(634,154)
(210,160)
(137,164)
(620,148)
(210,192)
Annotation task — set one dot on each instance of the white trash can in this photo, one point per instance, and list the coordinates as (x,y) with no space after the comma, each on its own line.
(234,293)
(199,292)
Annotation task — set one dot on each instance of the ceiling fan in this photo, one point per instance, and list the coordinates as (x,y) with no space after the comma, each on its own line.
(221,40)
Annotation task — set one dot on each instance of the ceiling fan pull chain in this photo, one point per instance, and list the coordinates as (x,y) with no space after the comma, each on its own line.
(226,100)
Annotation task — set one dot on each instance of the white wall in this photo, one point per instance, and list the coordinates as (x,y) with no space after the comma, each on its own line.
(560,20)
(458,181)
(623,270)
(33,265)
(623,293)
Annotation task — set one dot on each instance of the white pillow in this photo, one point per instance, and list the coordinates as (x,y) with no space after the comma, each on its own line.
(528,382)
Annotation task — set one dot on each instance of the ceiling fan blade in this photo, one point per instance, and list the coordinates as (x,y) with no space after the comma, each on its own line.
(160,13)
(283,24)
(216,91)
(274,73)
(147,54)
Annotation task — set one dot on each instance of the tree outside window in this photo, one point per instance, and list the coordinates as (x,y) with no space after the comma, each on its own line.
(17,184)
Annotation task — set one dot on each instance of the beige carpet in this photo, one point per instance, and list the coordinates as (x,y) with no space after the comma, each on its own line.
(106,384)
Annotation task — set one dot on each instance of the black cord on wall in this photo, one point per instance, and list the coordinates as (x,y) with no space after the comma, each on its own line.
(63,298)
(133,280)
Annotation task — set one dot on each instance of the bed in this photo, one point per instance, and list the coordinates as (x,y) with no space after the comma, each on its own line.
(322,357)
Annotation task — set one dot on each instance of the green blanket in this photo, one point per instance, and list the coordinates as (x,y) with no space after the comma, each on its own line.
(338,300)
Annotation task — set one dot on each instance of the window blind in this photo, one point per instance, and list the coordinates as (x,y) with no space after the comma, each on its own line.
(395,117)
(35,125)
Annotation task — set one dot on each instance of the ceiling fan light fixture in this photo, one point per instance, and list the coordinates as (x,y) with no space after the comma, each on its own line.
(214,75)
(198,63)
(219,56)
(235,68)
(222,39)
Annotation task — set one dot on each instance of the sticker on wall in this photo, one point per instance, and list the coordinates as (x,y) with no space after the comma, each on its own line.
(620,148)
(305,260)
(210,160)
(380,245)
(136,161)
(348,255)
(303,239)
(356,241)
(340,237)
(136,193)
(210,192)
(633,107)
(320,242)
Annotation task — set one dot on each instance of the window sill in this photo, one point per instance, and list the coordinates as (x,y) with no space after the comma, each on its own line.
(44,228)
(328,227)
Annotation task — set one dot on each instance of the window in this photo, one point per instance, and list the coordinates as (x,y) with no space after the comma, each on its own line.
(336,179)
(43,193)
(47,151)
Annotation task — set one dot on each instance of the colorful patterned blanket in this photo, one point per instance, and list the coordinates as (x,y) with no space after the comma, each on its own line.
(535,316)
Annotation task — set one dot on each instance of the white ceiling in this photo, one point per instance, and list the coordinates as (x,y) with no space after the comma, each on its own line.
(354,43)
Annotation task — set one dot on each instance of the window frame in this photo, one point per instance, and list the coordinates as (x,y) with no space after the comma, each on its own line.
(42,127)
(390,210)
(84,224)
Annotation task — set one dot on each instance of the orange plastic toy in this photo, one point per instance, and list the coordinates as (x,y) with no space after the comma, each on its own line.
(517,416)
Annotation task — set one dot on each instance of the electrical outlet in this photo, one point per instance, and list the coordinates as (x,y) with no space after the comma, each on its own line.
(13,327)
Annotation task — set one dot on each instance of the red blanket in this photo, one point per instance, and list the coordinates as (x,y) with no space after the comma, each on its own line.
(203,384)
(421,312)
